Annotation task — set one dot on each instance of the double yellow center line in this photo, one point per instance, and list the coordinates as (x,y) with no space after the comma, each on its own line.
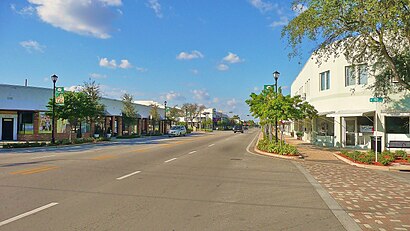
(34,170)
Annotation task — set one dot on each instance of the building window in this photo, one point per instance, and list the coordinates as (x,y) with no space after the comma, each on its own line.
(349,76)
(44,125)
(324,80)
(397,125)
(25,120)
(362,69)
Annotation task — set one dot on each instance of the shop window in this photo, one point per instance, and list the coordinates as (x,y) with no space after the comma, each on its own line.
(362,74)
(397,125)
(365,124)
(44,123)
(25,120)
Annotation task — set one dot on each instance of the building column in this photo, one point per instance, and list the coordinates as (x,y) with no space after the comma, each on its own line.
(36,125)
(338,131)
(119,124)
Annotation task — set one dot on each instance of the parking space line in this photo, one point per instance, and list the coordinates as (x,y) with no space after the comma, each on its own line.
(128,175)
(170,160)
(192,152)
(28,213)
(211,145)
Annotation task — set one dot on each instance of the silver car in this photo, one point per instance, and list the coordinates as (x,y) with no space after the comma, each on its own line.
(177,131)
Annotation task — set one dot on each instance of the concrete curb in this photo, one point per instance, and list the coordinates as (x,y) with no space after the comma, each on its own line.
(272,154)
(374,167)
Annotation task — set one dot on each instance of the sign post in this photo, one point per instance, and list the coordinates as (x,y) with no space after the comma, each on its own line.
(265,87)
(376,100)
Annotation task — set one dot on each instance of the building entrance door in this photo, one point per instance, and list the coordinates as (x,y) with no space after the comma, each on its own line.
(7,129)
(350,132)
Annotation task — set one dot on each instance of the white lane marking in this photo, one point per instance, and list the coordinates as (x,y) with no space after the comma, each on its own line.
(123,177)
(192,152)
(28,213)
(40,157)
(211,145)
(249,145)
(170,160)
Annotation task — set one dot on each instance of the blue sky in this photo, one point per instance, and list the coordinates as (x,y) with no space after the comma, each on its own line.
(209,52)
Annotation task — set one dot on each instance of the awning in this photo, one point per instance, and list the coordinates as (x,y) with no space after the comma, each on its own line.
(350,113)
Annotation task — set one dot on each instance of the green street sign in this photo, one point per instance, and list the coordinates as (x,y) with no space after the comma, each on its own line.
(376,99)
(168,109)
(59,96)
(268,86)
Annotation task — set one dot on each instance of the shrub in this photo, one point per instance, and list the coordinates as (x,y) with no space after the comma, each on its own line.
(401,153)
(280,148)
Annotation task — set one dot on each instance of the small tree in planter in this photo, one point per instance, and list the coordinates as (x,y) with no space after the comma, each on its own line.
(299,135)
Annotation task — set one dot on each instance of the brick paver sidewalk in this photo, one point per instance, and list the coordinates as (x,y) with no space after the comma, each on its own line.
(376,201)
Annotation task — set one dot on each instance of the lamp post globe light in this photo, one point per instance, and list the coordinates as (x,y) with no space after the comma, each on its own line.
(276,77)
(54,78)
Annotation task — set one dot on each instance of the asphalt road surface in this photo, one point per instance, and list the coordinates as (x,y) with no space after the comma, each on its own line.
(199,182)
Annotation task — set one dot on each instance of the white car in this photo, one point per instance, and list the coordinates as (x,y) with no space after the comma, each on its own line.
(177,131)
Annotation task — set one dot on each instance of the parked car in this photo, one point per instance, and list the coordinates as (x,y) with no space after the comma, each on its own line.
(238,128)
(177,131)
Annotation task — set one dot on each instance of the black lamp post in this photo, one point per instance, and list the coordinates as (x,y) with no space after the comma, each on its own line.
(186,118)
(276,77)
(165,103)
(54,79)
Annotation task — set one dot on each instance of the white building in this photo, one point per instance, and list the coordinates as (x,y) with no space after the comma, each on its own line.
(339,91)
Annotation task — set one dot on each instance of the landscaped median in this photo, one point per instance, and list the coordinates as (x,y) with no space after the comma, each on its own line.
(386,160)
(276,149)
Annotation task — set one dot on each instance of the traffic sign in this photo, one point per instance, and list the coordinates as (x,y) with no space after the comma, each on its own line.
(268,86)
(376,99)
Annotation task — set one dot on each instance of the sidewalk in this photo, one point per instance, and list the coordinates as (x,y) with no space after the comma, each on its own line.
(311,152)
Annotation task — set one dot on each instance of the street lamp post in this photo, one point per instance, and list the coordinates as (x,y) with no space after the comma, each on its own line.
(165,122)
(54,79)
(276,77)
(186,118)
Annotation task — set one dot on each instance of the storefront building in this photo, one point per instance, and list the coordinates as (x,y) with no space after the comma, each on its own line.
(23,116)
(340,92)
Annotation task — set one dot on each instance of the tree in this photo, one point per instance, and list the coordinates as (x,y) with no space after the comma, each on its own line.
(129,113)
(95,110)
(154,114)
(372,31)
(192,110)
(74,109)
(174,113)
(269,106)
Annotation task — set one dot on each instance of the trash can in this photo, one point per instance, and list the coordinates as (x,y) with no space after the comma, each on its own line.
(379,143)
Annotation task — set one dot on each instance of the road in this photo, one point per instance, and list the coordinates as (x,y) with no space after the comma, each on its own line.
(201,182)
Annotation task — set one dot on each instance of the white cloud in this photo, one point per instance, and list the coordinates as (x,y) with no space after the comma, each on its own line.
(172,95)
(195,71)
(261,5)
(32,45)
(104,62)
(215,100)
(232,58)
(75,88)
(125,64)
(200,94)
(112,92)
(188,56)
(84,17)
(98,76)
(156,6)
(232,103)
(27,10)
(141,69)
(283,21)
(299,8)
(222,67)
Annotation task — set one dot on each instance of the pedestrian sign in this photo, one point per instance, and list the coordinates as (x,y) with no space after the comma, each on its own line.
(265,87)
(376,99)
(59,96)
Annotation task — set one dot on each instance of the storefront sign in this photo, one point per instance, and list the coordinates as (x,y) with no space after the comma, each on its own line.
(59,96)
(366,128)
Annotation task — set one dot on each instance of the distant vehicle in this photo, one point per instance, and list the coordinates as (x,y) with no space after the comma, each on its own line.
(238,128)
(177,131)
